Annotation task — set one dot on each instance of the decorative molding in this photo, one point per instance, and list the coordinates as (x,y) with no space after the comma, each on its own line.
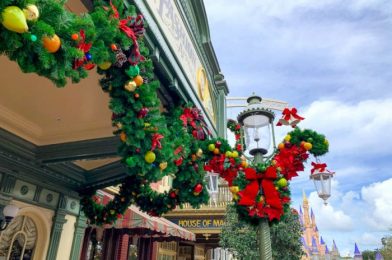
(86,149)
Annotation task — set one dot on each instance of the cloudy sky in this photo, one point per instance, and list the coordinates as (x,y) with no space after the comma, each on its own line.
(332,60)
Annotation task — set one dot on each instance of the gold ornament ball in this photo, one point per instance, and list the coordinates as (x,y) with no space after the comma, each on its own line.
(199,152)
(130,86)
(31,12)
(150,157)
(163,165)
(228,154)
(234,154)
(105,65)
(216,151)
(196,193)
(139,80)
(287,138)
(123,137)
(234,189)
(308,146)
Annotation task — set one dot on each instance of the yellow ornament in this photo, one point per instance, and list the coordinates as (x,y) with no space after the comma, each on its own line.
(199,153)
(211,147)
(234,189)
(150,157)
(234,154)
(163,165)
(326,142)
(123,137)
(287,138)
(282,183)
(31,12)
(281,146)
(308,146)
(105,65)
(130,86)
(14,19)
(244,163)
(228,154)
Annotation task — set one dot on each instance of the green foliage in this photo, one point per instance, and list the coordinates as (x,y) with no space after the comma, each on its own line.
(386,249)
(369,255)
(319,142)
(240,238)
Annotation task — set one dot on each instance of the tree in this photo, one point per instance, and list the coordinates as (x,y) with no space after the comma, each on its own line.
(386,249)
(240,238)
(369,255)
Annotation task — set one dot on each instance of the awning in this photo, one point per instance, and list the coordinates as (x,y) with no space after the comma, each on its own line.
(143,224)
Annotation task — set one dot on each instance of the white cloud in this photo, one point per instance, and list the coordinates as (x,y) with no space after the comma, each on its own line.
(329,218)
(378,208)
(358,128)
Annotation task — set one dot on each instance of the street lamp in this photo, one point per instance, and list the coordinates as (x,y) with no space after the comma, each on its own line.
(9,212)
(257,122)
(322,182)
(212,179)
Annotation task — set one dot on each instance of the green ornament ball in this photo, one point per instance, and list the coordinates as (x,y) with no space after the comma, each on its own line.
(33,38)
(133,71)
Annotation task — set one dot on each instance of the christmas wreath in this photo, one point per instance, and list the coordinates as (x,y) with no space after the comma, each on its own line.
(46,39)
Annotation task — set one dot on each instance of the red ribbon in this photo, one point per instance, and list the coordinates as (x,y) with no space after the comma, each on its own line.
(318,166)
(156,141)
(287,114)
(135,57)
(85,47)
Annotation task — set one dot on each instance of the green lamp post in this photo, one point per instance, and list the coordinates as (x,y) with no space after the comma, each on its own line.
(257,123)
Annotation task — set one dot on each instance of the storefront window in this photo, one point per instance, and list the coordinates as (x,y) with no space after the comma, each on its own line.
(18,241)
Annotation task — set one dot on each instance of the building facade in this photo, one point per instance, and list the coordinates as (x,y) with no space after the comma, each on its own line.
(54,143)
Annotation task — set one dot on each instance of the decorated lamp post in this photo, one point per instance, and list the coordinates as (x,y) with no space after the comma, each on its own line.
(257,123)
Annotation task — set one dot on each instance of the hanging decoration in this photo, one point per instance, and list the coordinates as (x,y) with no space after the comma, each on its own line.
(290,117)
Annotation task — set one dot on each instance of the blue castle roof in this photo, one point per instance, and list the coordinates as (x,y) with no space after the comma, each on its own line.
(356,251)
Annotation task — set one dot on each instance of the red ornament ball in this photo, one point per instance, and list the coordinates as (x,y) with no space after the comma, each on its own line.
(198,188)
(75,36)
(218,144)
(173,195)
(113,47)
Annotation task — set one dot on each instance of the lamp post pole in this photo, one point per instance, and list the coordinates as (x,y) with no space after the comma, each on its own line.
(263,229)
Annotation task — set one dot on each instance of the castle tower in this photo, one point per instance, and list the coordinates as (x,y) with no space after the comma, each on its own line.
(313,244)
(327,254)
(315,251)
(335,255)
(357,253)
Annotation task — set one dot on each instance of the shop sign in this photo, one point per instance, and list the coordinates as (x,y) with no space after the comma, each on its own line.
(172,25)
(207,223)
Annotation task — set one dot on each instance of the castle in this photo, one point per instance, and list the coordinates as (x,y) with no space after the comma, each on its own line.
(313,244)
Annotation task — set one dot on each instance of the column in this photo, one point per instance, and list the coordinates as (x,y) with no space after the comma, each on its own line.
(80,227)
(57,228)
(223,90)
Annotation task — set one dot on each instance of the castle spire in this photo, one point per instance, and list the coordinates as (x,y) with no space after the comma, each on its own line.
(304,198)
(357,253)
(322,241)
(326,250)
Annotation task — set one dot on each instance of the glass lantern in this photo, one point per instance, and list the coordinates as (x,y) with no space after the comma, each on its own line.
(257,123)
(212,179)
(322,182)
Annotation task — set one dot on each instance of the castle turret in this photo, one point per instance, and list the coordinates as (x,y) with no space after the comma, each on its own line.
(335,255)
(357,253)
(327,254)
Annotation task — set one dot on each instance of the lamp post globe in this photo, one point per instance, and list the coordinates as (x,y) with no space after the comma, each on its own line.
(322,182)
(257,123)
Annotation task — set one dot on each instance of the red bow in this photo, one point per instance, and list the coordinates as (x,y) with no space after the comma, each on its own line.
(135,57)
(156,141)
(249,194)
(85,47)
(320,167)
(188,117)
(287,115)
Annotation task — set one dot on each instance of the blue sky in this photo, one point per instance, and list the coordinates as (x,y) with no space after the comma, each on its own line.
(332,60)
